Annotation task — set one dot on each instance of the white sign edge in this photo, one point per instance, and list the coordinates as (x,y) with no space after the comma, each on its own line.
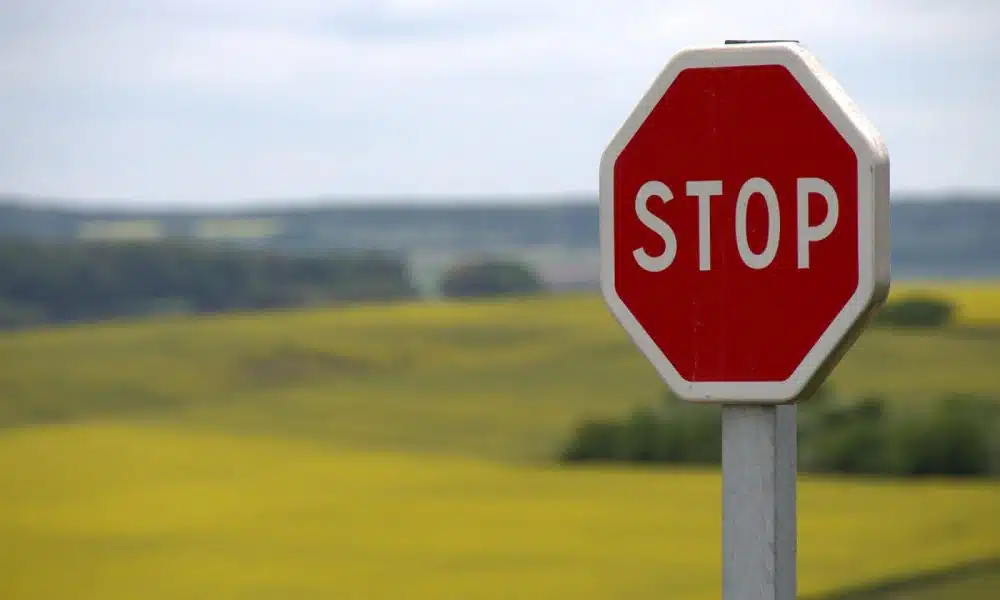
(873,223)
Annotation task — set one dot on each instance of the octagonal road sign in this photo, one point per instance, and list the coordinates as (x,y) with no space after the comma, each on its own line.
(744,223)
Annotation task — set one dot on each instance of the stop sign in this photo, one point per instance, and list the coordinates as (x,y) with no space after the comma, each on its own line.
(744,222)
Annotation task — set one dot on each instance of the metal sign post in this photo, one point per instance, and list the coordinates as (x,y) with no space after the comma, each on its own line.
(758,502)
(744,223)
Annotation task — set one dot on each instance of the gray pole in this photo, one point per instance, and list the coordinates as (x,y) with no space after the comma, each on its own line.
(758,503)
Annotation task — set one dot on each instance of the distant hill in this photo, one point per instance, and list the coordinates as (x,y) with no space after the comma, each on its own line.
(935,237)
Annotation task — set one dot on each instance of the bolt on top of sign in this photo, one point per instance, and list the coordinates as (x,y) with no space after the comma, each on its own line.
(744,223)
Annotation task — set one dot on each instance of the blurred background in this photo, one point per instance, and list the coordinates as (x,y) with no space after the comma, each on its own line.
(300,299)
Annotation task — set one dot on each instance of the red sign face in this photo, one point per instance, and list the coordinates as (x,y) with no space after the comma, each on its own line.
(739,232)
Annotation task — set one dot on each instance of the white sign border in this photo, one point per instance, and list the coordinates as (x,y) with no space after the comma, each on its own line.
(873,223)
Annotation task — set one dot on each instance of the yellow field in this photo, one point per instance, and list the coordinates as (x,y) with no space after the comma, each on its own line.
(394,452)
(109,511)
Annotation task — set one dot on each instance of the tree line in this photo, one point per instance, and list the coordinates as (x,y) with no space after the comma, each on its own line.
(956,435)
(45,282)
(55,282)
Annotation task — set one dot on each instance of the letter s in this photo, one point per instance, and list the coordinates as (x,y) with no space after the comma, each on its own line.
(658,263)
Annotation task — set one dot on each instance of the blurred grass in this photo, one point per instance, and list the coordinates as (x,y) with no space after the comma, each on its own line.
(496,379)
(107,510)
(367,452)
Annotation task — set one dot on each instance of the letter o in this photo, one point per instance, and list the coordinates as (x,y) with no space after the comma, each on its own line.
(754,260)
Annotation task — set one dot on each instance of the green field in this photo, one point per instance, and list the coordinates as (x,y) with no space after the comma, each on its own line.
(502,380)
(401,451)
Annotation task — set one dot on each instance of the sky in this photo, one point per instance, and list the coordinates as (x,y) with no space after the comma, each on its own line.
(188,103)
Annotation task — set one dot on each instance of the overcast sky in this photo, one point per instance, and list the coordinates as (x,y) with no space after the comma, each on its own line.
(197,102)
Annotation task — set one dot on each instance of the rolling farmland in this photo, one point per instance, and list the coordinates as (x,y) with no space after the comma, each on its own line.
(403,450)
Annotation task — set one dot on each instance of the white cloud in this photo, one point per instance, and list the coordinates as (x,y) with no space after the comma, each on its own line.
(227,99)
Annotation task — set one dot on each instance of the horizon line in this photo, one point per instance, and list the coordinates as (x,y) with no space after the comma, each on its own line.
(388,200)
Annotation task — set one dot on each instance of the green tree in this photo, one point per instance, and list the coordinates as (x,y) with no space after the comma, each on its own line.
(916,312)
(484,278)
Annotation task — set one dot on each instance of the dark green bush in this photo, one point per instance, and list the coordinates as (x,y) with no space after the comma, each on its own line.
(594,440)
(697,431)
(957,436)
(485,278)
(639,437)
(845,438)
(916,312)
